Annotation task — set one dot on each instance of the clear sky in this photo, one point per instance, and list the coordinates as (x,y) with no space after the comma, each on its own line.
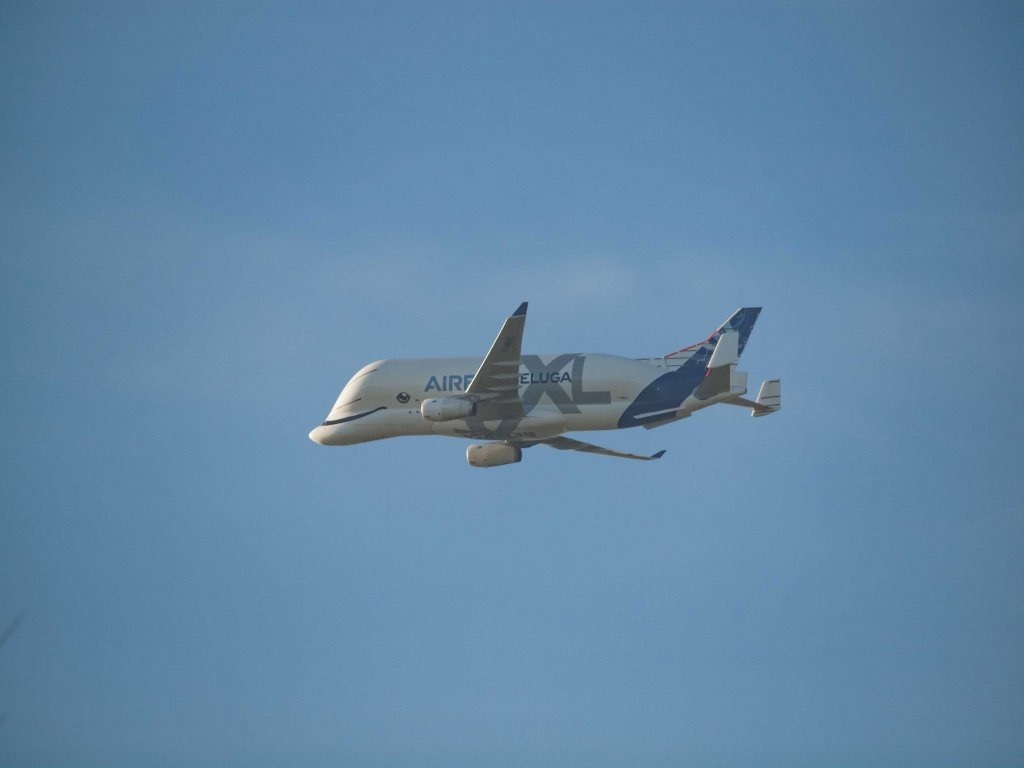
(212,214)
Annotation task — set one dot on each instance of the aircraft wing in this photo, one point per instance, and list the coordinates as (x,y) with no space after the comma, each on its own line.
(495,386)
(568,444)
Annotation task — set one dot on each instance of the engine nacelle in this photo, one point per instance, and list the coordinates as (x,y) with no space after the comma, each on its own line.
(493,455)
(446,409)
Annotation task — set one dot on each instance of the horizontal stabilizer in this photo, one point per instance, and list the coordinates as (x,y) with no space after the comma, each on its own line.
(769,398)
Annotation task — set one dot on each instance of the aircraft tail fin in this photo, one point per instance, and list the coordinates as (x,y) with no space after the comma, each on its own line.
(741,322)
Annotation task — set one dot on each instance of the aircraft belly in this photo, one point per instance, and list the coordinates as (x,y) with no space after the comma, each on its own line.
(593,417)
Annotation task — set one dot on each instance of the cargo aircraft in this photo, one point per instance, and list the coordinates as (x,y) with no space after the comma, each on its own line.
(516,401)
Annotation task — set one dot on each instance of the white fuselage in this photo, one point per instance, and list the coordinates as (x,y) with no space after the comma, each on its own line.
(560,393)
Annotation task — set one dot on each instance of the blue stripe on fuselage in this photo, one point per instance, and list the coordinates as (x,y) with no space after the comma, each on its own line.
(667,392)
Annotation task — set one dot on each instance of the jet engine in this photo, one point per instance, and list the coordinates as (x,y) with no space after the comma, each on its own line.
(446,409)
(493,454)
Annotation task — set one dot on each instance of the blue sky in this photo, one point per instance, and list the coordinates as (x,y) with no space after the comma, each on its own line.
(212,215)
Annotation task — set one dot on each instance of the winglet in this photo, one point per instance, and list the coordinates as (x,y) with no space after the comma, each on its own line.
(769,398)
(658,455)
(521,310)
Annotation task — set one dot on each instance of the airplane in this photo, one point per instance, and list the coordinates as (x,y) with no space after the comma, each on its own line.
(516,401)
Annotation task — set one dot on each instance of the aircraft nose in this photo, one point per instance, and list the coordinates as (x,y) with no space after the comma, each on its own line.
(329,434)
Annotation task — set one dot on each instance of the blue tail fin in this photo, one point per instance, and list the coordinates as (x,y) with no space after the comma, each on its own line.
(742,321)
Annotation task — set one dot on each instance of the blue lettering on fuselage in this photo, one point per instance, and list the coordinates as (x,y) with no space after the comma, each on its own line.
(540,380)
(452,382)
(544,378)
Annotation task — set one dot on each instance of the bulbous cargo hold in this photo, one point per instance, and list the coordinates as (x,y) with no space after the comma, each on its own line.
(493,454)
(447,409)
